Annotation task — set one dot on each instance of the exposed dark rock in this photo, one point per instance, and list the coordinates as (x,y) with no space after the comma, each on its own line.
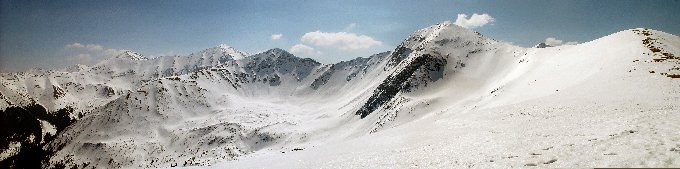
(323,79)
(58,92)
(399,54)
(543,45)
(278,60)
(109,91)
(419,71)
(275,80)
(22,125)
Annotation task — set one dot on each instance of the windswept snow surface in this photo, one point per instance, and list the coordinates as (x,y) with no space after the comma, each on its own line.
(446,97)
(594,104)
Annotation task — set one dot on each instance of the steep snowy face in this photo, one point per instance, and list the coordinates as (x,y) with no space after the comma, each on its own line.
(235,54)
(221,53)
(444,38)
(347,71)
(278,61)
(272,70)
(425,56)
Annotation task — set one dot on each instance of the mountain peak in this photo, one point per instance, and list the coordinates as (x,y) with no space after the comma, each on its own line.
(280,54)
(542,45)
(224,46)
(275,53)
(235,54)
(439,31)
(131,56)
(277,50)
(444,35)
(446,25)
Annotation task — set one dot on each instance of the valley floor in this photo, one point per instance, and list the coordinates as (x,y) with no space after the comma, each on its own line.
(533,133)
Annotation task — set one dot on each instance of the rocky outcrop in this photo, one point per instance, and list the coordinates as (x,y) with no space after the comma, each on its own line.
(58,92)
(418,72)
(22,137)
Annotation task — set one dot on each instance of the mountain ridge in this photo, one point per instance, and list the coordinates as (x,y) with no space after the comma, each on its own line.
(233,106)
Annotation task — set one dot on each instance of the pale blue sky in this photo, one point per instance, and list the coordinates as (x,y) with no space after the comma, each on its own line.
(36,33)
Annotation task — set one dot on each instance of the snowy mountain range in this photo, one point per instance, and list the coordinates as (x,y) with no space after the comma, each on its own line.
(446,96)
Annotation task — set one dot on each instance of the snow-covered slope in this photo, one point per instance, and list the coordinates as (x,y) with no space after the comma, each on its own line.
(80,89)
(610,102)
(447,96)
(228,50)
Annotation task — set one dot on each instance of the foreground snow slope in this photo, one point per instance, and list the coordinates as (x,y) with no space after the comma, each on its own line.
(447,96)
(611,102)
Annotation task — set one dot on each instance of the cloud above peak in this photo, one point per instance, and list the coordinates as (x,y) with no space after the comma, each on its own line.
(304,50)
(79,53)
(339,40)
(475,21)
(76,45)
(277,36)
(556,42)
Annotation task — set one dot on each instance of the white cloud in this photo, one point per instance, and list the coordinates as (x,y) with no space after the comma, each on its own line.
(277,36)
(79,53)
(475,21)
(304,50)
(75,45)
(553,41)
(339,40)
(94,47)
(556,42)
(350,27)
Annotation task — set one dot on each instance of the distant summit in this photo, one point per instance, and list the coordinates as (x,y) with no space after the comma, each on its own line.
(235,54)
(542,45)
(131,56)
